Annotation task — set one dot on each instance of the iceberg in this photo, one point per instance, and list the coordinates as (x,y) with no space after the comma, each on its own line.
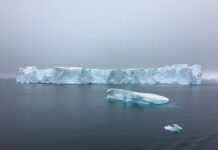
(135,97)
(173,128)
(179,74)
(213,76)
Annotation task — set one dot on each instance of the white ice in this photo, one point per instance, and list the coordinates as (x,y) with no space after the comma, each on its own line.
(173,128)
(181,74)
(210,76)
(131,96)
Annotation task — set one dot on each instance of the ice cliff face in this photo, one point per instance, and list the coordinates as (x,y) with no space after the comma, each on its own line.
(181,74)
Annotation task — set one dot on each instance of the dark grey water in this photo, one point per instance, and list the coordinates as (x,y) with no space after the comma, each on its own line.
(78,117)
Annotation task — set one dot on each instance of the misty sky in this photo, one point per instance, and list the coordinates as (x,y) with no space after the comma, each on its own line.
(108,33)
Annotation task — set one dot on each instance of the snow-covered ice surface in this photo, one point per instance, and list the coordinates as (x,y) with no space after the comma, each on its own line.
(135,97)
(173,128)
(181,74)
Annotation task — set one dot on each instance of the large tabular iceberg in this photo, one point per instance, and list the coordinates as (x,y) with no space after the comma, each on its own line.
(175,74)
(136,97)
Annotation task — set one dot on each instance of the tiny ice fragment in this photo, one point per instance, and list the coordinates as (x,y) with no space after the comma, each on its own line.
(173,128)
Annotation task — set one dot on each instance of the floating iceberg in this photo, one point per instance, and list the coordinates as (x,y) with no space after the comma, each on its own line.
(173,128)
(213,76)
(136,97)
(181,74)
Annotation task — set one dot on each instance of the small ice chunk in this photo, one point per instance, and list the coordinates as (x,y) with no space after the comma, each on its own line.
(131,96)
(173,128)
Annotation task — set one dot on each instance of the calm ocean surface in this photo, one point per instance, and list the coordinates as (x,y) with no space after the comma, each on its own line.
(79,117)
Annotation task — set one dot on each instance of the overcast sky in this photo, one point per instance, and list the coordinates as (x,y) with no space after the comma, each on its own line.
(108,33)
